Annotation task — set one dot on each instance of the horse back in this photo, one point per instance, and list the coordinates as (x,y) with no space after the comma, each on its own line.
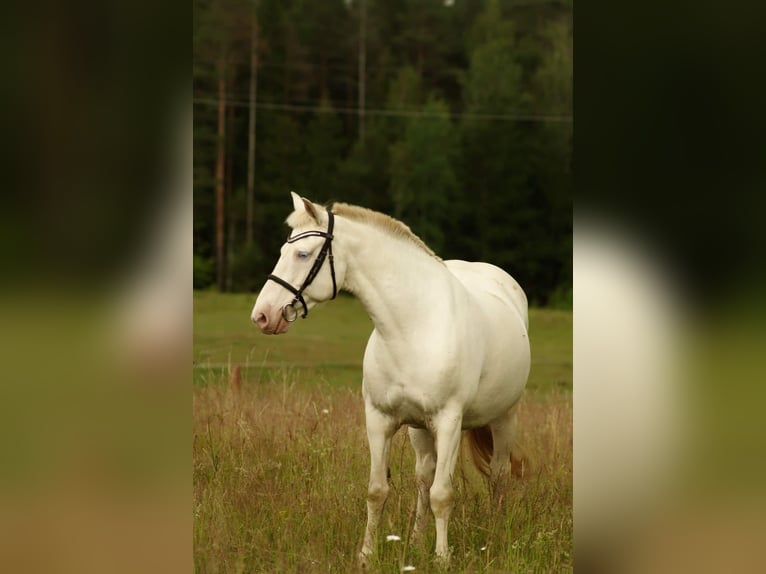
(486,279)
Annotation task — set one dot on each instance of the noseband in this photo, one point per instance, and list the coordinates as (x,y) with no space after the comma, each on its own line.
(289,311)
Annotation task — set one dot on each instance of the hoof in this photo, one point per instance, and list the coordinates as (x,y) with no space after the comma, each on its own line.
(363,559)
(442,561)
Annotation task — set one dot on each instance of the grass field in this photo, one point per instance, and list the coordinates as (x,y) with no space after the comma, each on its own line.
(281,462)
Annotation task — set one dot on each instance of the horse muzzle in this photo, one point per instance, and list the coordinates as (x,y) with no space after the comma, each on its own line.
(272,321)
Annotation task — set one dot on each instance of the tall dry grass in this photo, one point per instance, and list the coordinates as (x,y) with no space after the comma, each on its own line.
(280,478)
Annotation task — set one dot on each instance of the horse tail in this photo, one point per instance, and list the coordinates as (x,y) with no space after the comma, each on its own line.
(480,445)
(479,441)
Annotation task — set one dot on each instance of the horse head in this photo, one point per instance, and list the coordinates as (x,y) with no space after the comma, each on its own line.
(305,273)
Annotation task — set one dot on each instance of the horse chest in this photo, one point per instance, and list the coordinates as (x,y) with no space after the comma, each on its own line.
(406,404)
(411,391)
(414,376)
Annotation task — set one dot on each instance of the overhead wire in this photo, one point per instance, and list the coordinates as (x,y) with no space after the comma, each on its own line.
(388,112)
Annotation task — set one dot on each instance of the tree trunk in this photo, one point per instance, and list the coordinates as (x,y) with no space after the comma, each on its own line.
(362,66)
(220,255)
(229,199)
(251,130)
(324,92)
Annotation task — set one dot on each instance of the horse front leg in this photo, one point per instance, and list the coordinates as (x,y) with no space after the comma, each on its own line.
(447,429)
(425,466)
(380,429)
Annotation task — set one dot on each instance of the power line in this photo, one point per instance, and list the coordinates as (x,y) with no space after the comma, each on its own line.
(385,112)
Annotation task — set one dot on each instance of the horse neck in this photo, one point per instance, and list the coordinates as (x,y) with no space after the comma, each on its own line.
(397,282)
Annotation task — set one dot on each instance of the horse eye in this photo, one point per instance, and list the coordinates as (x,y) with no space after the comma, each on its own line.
(303,254)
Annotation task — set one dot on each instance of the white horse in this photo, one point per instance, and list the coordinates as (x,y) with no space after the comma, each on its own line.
(449,351)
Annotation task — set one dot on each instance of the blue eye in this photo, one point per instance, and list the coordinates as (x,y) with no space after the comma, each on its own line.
(303,254)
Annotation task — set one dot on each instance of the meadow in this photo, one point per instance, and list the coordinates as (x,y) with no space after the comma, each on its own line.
(280,460)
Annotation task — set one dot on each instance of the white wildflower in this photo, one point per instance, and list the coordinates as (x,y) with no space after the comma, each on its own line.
(393,538)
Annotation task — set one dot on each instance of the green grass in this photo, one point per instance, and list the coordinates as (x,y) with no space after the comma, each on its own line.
(327,347)
(281,462)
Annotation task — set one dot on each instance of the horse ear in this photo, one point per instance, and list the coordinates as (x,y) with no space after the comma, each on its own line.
(301,204)
(297,202)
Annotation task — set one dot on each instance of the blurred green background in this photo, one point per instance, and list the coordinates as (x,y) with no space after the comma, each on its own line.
(453,116)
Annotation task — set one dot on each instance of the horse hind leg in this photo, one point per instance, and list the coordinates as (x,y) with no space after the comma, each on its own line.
(425,466)
(507,458)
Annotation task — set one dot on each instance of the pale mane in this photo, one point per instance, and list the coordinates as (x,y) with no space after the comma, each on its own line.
(382,221)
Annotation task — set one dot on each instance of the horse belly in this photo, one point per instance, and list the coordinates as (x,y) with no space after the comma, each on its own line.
(505,367)
(494,398)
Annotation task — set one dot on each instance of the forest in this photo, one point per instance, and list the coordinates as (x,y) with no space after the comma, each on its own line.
(454,116)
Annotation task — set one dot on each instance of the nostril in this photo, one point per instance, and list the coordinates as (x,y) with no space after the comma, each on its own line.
(261,320)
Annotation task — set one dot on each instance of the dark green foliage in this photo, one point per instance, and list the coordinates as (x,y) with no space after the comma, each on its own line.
(243,265)
(203,272)
(324,148)
(423,182)
(364,175)
(467,130)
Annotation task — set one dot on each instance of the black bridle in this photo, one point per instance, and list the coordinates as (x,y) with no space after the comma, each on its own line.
(289,311)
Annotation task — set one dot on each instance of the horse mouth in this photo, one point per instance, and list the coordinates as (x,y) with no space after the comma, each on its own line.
(280,328)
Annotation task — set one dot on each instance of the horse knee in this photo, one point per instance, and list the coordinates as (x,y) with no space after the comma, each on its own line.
(377,494)
(424,470)
(441,499)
